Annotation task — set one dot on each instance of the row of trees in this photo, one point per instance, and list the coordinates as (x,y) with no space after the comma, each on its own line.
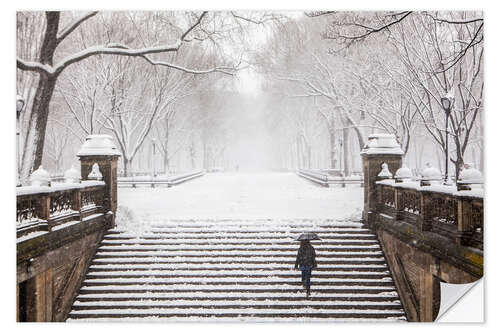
(380,72)
(164,79)
(143,77)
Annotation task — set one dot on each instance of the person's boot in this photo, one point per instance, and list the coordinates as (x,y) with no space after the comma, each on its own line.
(308,292)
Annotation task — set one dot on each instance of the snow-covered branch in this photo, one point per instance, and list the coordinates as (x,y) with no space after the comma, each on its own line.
(70,28)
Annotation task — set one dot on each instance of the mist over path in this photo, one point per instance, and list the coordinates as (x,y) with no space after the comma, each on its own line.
(243,196)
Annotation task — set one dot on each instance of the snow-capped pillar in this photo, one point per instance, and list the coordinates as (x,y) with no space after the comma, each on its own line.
(380,149)
(101,150)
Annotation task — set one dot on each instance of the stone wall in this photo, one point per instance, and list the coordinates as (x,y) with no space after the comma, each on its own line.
(51,267)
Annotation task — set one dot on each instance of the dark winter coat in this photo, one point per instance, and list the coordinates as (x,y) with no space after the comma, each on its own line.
(306,256)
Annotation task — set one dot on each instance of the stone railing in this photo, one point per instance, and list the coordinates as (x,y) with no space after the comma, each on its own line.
(42,208)
(324,178)
(443,209)
(429,232)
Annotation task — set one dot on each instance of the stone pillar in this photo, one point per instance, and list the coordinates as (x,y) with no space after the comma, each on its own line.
(101,149)
(381,148)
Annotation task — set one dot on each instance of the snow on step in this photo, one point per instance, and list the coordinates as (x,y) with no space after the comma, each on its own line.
(196,303)
(240,318)
(219,268)
(219,259)
(226,240)
(205,270)
(299,295)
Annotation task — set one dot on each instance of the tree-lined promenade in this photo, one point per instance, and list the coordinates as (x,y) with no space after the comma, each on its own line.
(166,85)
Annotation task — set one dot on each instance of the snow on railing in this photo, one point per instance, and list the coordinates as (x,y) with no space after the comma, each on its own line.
(324,179)
(44,205)
(168,180)
(455,212)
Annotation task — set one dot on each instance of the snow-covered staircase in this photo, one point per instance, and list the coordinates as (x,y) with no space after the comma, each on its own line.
(226,270)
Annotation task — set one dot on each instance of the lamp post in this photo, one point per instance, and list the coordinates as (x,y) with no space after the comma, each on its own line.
(447,103)
(19,109)
(154,159)
(340,157)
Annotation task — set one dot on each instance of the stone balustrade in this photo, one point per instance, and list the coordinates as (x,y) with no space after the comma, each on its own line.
(41,208)
(443,209)
(59,227)
(429,232)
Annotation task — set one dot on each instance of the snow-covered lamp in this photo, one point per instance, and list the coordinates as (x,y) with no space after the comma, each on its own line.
(402,174)
(72,175)
(430,175)
(40,177)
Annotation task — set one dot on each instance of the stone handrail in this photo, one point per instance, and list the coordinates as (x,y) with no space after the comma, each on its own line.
(161,180)
(442,209)
(324,179)
(41,208)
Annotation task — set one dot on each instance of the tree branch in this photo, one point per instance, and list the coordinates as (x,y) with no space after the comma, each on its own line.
(69,29)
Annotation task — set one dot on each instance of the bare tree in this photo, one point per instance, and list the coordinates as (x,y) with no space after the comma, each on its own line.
(49,70)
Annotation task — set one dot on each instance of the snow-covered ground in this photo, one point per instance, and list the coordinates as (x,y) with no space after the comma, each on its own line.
(239,196)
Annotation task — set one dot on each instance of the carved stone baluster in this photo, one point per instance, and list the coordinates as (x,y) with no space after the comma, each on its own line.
(465,224)
(426,204)
(76,203)
(44,207)
(400,202)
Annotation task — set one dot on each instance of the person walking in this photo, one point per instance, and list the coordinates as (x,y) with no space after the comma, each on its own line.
(306,261)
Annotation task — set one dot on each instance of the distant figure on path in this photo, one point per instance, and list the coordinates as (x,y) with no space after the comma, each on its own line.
(306,261)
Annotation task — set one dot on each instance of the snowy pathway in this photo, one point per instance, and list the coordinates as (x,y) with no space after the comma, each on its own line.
(243,196)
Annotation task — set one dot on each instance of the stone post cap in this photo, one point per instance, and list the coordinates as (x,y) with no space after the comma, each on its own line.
(40,177)
(72,175)
(431,173)
(382,143)
(98,145)
(470,175)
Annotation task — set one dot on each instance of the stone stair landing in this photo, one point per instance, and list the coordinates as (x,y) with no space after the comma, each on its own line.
(237,271)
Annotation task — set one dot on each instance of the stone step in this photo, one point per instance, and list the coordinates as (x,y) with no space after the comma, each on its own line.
(172,237)
(258,258)
(270,270)
(228,296)
(213,270)
(176,251)
(255,314)
(245,230)
(270,249)
(210,305)
(231,241)
(231,288)
(296,226)
(240,318)
(249,267)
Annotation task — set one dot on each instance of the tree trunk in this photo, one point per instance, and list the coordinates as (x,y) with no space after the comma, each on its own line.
(347,156)
(126,166)
(192,156)
(166,159)
(35,136)
(205,157)
(309,152)
(333,148)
